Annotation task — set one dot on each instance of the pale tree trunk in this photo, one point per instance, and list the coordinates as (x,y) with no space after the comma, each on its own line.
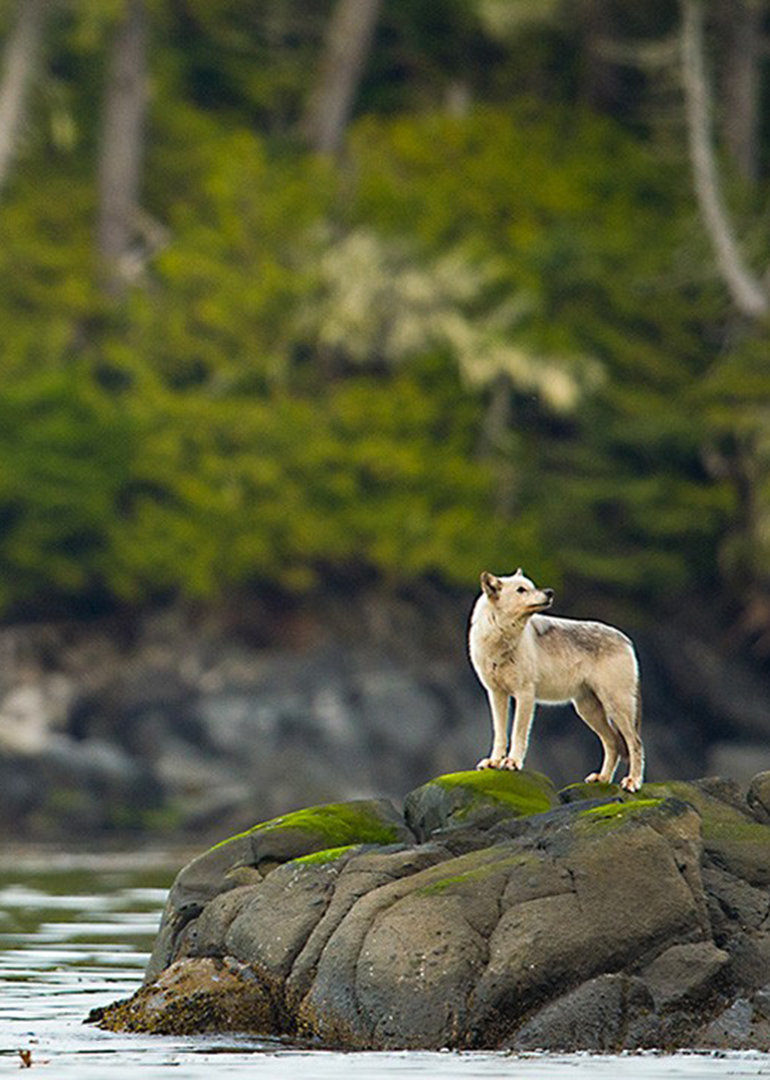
(346,47)
(742,21)
(746,290)
(20,55)
(121,148)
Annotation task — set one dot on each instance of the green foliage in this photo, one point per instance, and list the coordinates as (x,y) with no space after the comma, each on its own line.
(736,399)
(65,453)
(578,216)
(379,303)
(479,342)
(65,446)
(367,473)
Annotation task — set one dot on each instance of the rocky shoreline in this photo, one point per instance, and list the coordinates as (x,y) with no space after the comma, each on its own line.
(193,724)
(495,912)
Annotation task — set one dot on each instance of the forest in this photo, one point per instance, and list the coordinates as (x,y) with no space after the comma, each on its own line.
(312,294)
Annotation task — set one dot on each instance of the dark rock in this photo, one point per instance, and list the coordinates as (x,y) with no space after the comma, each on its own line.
(733,840)
(368,872)
(733,903)
(605,1015)
(585,924)
(684,973)
(749,959)
(732,1029)
(582,792)
(262,849)
(592,922)
(271,928)
(204,935)
(723,789)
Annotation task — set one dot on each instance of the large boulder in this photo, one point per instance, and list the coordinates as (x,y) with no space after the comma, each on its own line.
(250,856)
(497,913)
(479,798)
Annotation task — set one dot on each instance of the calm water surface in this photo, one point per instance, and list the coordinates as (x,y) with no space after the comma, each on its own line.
(75,931)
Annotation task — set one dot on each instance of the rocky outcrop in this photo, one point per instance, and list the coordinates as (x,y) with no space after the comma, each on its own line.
(497,913)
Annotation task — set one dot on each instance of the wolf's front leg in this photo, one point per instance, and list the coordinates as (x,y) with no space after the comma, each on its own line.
(498,704)
(522,725)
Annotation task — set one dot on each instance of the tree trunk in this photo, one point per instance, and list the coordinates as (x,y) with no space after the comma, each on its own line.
(746,291)
(346,46)
(122,144)
(19,59)
(598,76)
(743,28)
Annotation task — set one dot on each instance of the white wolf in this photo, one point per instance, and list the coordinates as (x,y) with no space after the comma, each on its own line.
(518,652)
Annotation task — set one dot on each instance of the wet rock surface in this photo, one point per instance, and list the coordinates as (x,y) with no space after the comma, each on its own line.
(496,913)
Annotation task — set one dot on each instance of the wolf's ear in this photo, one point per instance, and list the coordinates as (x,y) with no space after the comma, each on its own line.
(491,585)
(519,573)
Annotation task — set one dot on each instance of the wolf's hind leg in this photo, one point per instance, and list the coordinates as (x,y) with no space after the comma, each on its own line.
(625,713)
(590,709)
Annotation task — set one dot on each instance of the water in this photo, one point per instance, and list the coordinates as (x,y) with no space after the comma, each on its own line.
(75,932)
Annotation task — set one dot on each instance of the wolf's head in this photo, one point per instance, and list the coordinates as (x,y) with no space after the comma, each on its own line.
(515,596)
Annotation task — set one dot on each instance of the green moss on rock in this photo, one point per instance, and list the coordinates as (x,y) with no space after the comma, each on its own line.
(620,809)
(732,836)
(339,823)
(326,855)
(616,813)
(475,876)
(478,797)
(522,792)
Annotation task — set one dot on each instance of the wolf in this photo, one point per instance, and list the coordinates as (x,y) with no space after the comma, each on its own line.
(517,651)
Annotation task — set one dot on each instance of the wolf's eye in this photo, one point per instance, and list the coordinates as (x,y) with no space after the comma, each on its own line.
(521,589)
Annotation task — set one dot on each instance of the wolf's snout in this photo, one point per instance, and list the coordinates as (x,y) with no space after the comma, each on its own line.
(548,593)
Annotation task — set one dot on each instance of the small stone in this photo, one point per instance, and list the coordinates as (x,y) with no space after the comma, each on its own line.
(732,1029)
(684,973)
(762,1002)
(758,797)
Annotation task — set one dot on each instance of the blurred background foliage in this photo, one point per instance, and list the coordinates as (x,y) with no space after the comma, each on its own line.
(487,331)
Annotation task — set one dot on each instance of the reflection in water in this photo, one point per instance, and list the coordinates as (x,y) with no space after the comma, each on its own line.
(75,933)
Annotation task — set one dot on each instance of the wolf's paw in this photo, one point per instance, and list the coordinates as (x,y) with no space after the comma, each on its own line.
(509,763)
(629,784)
(490,763)
(593,778)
